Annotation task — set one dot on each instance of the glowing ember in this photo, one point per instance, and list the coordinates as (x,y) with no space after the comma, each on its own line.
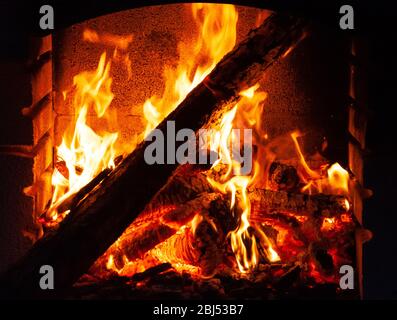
(216,37)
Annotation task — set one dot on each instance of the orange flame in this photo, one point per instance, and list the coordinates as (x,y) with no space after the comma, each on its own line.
(313,174)
(217,36)
(217,25)
(118,42)
(335,181)
(85,152)
(338,179)
(247,112)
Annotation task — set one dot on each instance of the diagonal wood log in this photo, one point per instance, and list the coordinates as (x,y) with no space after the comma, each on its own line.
(102,216)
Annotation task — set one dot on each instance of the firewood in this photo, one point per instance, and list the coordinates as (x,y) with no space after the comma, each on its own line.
(144,233)
(140,237)
(146,238)
(191,182)
(277,219)
(267,201)
(72,201)
(102,216)
(200,245)
(209,242)
(188,182)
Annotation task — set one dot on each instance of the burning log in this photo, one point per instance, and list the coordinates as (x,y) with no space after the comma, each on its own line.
(188,183)
(186,234)
(101,217)
(209,243)
(188,192)
(201,244)
(140,237)
(267,201)
(190,180)
(72,201)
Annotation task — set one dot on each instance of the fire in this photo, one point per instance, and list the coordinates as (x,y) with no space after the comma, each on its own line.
(217,36)
(334,181)
(246,238)
(242,242)
(84,152)
(248,111)
(93,88)
(311,173)
(120,43)
(328,224)
(110,263)
(172,251)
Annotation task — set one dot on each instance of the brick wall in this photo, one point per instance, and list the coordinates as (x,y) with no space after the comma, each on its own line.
(26,145)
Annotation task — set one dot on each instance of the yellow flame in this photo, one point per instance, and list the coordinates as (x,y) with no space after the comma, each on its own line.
(328,223)
(247,112)
(217,36)
(313,174)
(110,263)
(250,92)
(85,152)
(347,205)
(246,257)
(338,179)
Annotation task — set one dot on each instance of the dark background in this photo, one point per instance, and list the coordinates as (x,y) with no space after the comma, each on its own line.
(376,20)
(380,214)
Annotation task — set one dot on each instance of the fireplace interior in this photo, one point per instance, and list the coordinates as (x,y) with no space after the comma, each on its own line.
(88,94)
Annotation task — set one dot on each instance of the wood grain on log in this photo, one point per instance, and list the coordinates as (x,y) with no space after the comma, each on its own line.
(283,177)
(142,237)
(266,205)
(267,201)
